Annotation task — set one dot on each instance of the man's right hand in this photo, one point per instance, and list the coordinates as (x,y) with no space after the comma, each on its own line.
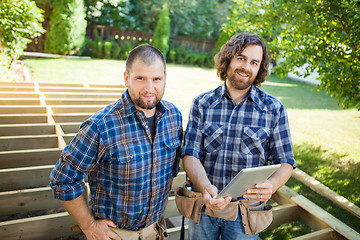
(99,230)
(210,200)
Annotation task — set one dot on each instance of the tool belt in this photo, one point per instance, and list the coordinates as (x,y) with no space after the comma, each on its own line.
(254,218)
(155,231)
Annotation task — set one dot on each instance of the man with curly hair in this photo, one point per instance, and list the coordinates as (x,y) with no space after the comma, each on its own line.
(232,127)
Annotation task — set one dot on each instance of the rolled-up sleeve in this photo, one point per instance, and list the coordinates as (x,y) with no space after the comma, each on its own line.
(76,161)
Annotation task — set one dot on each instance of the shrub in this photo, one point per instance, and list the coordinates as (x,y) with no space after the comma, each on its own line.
(19,21)
(162,31)
(107,49)
(67,27)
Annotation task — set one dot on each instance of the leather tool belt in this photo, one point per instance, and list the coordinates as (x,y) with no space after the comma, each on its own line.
(255,217)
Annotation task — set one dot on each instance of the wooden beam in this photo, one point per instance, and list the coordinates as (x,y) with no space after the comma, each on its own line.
(22,201)
(49,227)
(281,214)
(71,117)
(323,234)
(27,177)
(321,215)
(19,94)
(29,158)
(22,101)
(79,101)
(326,192)
(42,227)
(21,109)
(77,108)
(95,95)
(17,89)
(28,142)
(26,129)
(70,127)
(22,118)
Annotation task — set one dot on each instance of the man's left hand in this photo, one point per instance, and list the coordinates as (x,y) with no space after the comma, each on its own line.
(261,192)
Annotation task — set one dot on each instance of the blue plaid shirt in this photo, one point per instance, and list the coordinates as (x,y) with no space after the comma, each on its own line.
(128,172)
(227,137)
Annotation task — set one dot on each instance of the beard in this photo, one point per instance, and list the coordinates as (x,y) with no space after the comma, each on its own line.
(238,83)
(146,104)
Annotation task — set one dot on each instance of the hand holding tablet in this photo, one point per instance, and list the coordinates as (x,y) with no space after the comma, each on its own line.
(247,178)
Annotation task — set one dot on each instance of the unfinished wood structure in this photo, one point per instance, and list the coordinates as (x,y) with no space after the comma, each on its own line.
(37,120)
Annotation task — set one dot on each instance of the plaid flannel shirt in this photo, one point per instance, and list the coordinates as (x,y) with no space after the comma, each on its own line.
(227,137)
(128,172)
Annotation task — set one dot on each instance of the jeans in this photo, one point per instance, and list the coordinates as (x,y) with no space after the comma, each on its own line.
(211,228)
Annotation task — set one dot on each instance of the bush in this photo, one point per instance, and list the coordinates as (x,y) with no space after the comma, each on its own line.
(67,27)
(107,49)
(19,21)
(162,31)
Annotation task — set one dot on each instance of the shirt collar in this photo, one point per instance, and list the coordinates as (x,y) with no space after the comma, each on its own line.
(253,95)
(128,107)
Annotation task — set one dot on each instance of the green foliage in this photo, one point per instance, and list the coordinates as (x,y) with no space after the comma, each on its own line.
(162,31)
(19,21)
(107,49)
(67,27)
(196,19)
(180,55)
(323,36)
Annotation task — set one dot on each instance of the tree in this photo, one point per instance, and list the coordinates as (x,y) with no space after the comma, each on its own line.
(67,27)
(322,36)
(162,31)
(19,21)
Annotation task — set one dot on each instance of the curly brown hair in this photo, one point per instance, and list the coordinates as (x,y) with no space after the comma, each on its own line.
(235,46)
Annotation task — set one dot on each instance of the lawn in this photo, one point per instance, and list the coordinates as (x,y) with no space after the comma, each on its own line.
(326,138)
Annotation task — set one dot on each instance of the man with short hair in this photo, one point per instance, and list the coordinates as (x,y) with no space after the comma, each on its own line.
(233,127)
(130,153)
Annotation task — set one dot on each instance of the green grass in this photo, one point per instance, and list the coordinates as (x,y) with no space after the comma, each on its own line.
(326,138)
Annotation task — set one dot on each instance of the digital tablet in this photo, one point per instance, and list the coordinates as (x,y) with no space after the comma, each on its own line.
(247,178)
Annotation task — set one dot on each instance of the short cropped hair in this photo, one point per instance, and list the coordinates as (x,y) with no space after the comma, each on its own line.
(234,47)
(146,53)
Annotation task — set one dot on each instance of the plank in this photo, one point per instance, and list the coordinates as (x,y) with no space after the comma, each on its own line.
(76,108)
(22,101)
(323,234)
(70,127)
(71,117)
(23,118)
(27,200)
(21,109)
(79,101)
(95,95)
(12,143)
(281,214)
(29,158)
(49,226)
(27,177)
(26,129)
(326,192)
(325,217)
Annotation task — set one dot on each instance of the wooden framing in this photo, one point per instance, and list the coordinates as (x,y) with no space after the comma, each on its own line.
(37,120)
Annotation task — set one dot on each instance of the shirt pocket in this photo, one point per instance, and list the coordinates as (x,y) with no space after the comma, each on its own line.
(254,140)
(213,137)
(172,143)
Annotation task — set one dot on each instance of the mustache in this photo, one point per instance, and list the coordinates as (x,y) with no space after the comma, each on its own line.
(242,70)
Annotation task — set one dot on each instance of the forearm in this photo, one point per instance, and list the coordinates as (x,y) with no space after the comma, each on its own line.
(281,176)
(196,172)
(79,211)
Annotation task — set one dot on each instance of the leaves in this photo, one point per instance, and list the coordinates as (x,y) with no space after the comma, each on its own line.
(323,34)
(19,21)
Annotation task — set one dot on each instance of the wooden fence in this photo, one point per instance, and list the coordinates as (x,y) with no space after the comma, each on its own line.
(37,120)
(105,33)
